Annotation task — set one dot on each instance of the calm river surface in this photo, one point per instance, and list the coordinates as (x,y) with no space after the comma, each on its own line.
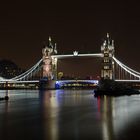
(68,115)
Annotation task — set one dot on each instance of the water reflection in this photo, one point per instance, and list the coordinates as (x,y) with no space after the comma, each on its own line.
(105,106)
(49,101)
(65,113)
(68,114)
(119,117)
(19,115)
(3,119)
(78,115)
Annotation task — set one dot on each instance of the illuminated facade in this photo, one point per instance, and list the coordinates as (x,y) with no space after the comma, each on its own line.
(107,49)
(49,63)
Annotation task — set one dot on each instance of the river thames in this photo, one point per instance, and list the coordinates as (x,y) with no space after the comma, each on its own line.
(68,115)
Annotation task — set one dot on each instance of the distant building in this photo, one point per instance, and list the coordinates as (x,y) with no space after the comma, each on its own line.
(9,69)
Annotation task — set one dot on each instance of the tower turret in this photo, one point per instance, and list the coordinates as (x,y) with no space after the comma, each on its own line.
(49,62)
(107,49)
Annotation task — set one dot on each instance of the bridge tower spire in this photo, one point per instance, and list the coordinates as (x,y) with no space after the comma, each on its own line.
(107,49)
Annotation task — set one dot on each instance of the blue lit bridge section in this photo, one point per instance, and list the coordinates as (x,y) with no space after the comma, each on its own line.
(76,83)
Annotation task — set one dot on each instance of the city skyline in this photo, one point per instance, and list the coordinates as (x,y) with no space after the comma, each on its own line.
(80,26)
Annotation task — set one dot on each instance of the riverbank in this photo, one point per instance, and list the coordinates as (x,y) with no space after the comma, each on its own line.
(112,88)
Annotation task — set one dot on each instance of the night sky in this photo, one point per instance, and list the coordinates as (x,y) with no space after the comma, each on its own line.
(74,25)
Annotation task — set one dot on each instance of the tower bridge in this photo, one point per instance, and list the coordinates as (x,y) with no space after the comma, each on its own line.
(45,70)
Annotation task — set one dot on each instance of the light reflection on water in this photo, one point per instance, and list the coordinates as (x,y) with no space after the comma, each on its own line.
(69,114)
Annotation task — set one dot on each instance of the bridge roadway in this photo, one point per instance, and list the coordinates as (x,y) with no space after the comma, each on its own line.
(58,81)
(128,81)
(62,81)
(68,81)
(76,83)
(57,84)
(133,83)
(16,82)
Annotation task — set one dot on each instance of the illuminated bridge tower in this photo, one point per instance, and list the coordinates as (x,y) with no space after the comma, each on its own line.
(49,63)
(107,49)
